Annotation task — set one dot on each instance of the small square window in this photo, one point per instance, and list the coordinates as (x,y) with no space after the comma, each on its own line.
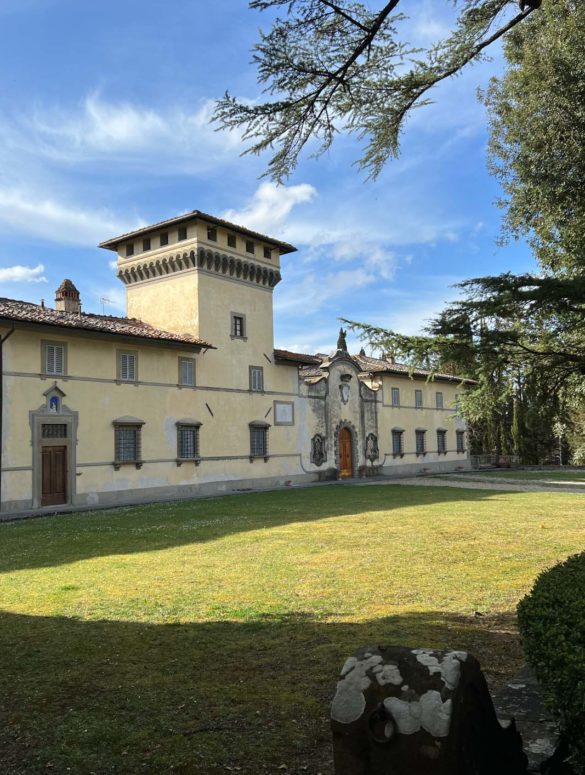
(420,442)
(238,326)
(187,442)
(127,366)
(397,443)
(231,240)
(395,396)
(257,379)
(187,372)
(146,244)
(54,359)
(442,442)
(418,399)
(212,233)
(439,400)
(129,249)
(267,253)
(250,247)
(182,235)
(164,239)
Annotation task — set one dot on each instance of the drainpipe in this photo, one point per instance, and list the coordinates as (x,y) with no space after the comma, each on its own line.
(2,340)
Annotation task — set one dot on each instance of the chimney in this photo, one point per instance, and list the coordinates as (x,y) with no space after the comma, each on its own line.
(67,298)
(389,358)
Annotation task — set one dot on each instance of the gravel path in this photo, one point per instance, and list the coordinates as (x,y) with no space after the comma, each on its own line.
(473,484)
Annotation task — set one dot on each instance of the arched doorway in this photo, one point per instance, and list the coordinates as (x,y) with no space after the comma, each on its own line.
(345,454)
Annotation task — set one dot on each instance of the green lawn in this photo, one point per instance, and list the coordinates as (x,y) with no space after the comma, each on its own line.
(545,476)
(200,636)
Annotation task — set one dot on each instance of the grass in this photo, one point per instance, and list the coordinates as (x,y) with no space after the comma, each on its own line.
(544,476)
(200,636)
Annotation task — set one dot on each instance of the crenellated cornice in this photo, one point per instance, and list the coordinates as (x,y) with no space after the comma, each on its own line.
(202,259)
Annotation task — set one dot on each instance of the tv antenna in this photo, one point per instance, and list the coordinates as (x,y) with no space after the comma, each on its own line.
(104,300)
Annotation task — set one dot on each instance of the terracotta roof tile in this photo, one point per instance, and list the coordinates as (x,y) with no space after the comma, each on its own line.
(287,355)
(24,311)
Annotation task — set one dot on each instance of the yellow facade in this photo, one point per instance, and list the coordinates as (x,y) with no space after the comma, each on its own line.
(197,287)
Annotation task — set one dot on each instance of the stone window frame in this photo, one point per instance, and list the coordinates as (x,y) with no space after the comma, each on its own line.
(442,441)
(395,392)
(128,423)
(259,426)
(460,438)
(243,336)
(180,381)
(420,433)
(275,411)
(119,378)
(439,399)
(45,344)
(183,425)
(251,371)
(267,252)
(418,399)
(399,434)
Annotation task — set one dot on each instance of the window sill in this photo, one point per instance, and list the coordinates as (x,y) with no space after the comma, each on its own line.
(258,457)
(45,375)
(119,463)
(180,385)
(396,454)
(241,338)
(421,454)
(181,460)
(127,382)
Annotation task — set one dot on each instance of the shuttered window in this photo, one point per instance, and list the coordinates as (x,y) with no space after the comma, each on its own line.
(418,399)
(53,359)
(127,367)
(439,400)
(257,378)
(395,396)
(186,371)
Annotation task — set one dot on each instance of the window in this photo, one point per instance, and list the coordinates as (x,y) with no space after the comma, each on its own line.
(212,233)
(129,249)
(127,366)
(182,235)
(442,442)
(439,400)
(164,239)
(188,440)
(250,247)
(231,240)
(256,378)
(267,253)
(187,372)
(146,244)
(54,358)
(128,441)
(460,441)
(397,442)
(258,440)
(54,431)
(238,326)
(395,396)
(418,402)
(420,442)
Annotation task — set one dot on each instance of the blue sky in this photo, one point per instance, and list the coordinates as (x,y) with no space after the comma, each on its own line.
(104,111)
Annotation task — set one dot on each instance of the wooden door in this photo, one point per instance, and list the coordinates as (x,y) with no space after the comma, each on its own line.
(54,476)
(345,454)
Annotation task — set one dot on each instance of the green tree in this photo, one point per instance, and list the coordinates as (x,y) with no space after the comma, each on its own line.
(338,65)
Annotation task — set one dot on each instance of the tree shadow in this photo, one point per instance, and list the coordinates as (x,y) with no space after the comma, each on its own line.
(118,697)
(67,538)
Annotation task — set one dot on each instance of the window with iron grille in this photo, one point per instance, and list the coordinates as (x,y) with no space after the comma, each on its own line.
(258,441)
(420,442)
(395,396)
(187,372)
(54,431)
(442,442)
(439,400)
(127,443)
(418,399)
(127,366)
(187,442)
(238,326)
(397,443)
(256,378)
(54,357)
(460,435)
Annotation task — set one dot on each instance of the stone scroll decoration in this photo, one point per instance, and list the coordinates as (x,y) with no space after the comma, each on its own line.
(318,450)
(419,712)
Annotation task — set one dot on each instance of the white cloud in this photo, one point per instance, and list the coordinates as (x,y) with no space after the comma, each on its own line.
(39,216)
(23,274)
(270,206)
(314,290)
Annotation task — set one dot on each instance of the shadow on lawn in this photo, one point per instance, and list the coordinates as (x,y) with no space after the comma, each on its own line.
(118,697)
(62,539)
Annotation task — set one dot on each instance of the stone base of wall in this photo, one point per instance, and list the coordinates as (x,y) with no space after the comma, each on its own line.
(421,468)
